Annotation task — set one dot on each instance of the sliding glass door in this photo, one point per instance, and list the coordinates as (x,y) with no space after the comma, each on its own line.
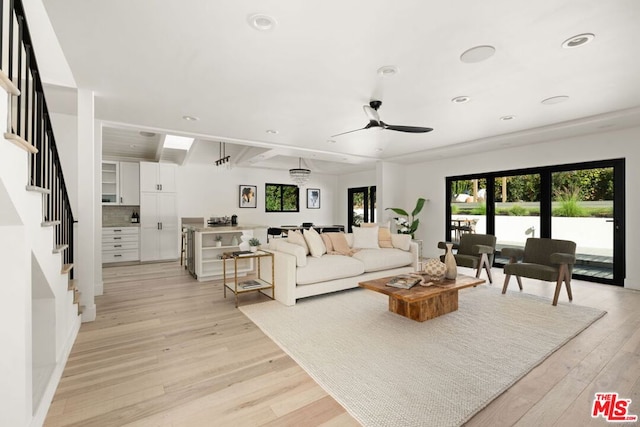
(579,202)
(361,205)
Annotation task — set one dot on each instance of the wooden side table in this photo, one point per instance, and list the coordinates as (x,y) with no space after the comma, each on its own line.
(257,284)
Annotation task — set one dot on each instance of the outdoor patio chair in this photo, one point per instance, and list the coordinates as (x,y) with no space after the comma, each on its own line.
(474,251)
(550,260)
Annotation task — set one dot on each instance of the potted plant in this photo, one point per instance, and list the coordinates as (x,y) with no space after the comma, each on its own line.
(218,240)
(409,225)
(254,243)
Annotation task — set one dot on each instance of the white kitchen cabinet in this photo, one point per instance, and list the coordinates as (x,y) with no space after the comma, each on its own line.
(110,180)
(159,228)
(120,244)
(129,183)
(120,183)
(157,177)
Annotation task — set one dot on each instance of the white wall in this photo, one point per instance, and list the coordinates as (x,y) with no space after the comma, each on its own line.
(203,191)
(429,179)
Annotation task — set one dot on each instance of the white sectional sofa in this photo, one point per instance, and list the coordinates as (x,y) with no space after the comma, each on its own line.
(298,275)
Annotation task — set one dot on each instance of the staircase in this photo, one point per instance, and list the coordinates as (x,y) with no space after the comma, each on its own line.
(39,301)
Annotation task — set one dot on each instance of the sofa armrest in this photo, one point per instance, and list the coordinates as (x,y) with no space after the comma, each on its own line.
(560,258)
(513,253)
(414,249)
(482,249)
(442,245)
(285,280)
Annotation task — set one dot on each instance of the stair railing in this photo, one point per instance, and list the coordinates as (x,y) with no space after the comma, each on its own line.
(29,120)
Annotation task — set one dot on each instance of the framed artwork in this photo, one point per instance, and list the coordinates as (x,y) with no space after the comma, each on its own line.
(248,196)
(313,198)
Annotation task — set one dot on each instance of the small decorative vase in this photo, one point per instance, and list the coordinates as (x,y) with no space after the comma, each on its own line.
(253,248)
(234,241)
(218,243)
(451,272)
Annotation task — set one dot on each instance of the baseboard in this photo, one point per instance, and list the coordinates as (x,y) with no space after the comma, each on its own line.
(40,413)
(99,289)
(88,313)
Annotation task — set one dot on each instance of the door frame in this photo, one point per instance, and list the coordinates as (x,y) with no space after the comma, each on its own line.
(369,204)
(619,206)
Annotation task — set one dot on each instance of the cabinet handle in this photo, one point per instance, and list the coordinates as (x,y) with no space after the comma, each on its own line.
(117,238)
(120,199)
(160,187)
(158,225)
(117,255)
(117,231)
(117,246)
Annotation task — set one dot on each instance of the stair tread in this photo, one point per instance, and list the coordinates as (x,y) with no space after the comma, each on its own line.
(8,85)
(60,248)
(20,142)
(66,268)
(72,285)
(38,189)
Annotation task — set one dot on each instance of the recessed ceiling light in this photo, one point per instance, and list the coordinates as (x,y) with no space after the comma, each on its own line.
(460,99)
(477,54)
(331,141)
(262,22)
(190,118)
(579,40)
(388,70)
(147,134)
(507,118)
(554,100)
(271,131)
(379,150)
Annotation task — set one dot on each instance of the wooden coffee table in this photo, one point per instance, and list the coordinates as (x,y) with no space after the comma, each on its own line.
(423,302)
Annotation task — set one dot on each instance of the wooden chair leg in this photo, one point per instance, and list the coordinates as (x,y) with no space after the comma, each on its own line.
(484,263)
(506,283)
(567,283)
(519,282)
(557,291)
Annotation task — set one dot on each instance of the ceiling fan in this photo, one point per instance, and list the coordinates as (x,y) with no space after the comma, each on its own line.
(371,111)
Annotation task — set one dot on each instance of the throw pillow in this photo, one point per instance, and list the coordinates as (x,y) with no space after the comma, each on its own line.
(365,238)
(340,245)
(384,233)
(288,248)
(297,238)
(327,242)
(314,241)
(401,241)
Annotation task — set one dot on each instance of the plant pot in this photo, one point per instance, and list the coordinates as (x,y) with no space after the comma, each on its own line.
(253,248)
(218,243)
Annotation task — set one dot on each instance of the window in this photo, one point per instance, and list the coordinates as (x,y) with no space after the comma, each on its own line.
(281,198)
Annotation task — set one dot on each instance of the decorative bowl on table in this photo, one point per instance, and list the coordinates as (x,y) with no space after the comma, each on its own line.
(433,271)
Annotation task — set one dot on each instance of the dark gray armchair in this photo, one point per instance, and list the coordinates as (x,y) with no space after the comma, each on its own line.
(474,251)
(550,260)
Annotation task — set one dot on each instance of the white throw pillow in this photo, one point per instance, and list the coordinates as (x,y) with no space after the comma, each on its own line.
(365,238)
(297,238)
(315,243)
(401,241)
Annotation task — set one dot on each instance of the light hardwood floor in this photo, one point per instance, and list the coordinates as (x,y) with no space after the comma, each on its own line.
(166,350)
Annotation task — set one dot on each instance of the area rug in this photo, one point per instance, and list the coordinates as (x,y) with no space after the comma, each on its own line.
(387,370)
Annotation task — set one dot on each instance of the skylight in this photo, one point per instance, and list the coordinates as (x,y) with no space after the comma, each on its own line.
(177,142)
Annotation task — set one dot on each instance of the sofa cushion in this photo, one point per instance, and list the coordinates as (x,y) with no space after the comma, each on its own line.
(401,241)
(384,233)
(365,237)
(327,242)
(339,243)
(297,238)
(383,258)
(314,242)
(282,245)
(328,267)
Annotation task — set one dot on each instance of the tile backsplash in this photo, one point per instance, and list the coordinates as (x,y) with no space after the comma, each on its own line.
(116,216)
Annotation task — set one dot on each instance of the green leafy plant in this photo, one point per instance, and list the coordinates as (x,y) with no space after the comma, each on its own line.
(479,210)
(517,210)
(254,242)
(218,238)
(409,225)
(569,198)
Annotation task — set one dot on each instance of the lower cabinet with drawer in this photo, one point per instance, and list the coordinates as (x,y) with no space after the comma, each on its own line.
(120,244)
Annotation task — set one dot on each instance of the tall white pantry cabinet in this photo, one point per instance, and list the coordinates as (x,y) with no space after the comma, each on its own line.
(159,228)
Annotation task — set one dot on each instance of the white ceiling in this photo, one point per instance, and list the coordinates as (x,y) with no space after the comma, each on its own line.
(150,63)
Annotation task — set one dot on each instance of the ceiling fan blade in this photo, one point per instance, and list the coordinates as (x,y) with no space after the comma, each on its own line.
(409,129)
(371,124)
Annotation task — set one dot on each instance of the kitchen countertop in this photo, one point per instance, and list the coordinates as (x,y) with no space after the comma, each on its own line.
(121,224)
(202,229)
